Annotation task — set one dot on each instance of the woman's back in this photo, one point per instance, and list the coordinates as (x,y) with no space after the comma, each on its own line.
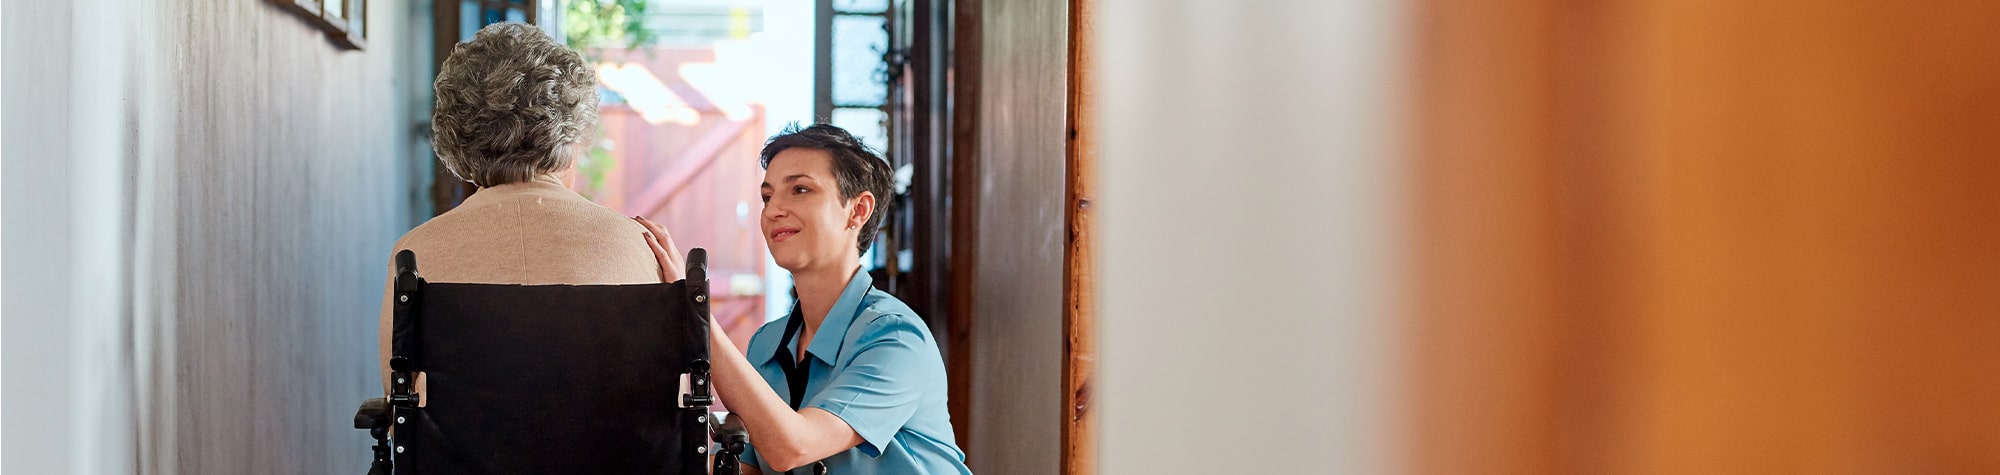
(533,232)
(513,108)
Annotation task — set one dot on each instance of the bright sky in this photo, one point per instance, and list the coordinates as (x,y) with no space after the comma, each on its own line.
(774,66)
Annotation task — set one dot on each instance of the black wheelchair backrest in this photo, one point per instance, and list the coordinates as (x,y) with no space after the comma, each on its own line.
(549,378)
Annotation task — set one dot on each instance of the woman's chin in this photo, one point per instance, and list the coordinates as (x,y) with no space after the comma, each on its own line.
(791,263)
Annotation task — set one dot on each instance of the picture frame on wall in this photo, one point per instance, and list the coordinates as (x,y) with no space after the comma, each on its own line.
(309,7)
(345,22)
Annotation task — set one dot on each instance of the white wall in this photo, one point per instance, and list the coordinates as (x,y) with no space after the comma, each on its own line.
(35,236)
(1250,235)
(199,198)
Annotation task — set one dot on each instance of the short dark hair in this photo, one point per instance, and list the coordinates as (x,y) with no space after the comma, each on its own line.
(856,168)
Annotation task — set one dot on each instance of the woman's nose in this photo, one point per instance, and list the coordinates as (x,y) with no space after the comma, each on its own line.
(773,211)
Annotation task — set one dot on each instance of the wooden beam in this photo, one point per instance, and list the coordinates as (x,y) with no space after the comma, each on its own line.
(964,150)
(446,189)
(1079,427)
(924,115)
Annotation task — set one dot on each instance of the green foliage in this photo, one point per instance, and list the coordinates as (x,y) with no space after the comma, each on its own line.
(595,164)
(591,24)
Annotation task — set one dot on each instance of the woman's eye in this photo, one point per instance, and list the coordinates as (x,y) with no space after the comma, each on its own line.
(799,190)
(767,199)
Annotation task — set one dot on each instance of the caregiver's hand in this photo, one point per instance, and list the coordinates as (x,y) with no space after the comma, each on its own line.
(673,267)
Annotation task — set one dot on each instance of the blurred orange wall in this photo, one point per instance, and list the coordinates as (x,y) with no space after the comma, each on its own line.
(1707,236)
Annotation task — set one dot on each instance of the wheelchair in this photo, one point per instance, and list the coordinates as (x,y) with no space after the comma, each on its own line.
(549,379)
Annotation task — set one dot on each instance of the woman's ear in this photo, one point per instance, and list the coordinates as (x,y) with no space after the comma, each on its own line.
(864,205)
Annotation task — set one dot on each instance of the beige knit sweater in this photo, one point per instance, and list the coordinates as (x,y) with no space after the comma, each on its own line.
(535,232)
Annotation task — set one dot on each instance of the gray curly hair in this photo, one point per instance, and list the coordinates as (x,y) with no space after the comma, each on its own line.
(511,104)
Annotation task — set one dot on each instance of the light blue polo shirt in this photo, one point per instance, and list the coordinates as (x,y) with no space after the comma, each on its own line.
(875,365)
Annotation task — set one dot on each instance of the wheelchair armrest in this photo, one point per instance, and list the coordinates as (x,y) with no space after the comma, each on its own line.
(730,433)
(733,437)
(374,416)
(373,413)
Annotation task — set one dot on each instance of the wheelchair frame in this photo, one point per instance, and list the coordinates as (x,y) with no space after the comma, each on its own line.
(380,416)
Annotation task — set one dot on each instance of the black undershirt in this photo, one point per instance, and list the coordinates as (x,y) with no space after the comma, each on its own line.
(796,368)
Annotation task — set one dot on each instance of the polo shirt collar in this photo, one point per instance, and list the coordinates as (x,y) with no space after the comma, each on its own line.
(833,330)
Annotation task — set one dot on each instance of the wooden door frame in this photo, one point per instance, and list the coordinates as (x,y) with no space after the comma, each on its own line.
(963,137)
(1079,434)
(446,189)
(1079,428)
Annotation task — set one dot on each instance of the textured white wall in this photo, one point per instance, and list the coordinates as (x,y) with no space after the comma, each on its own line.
(199,198)
(35,236)
(1250,238)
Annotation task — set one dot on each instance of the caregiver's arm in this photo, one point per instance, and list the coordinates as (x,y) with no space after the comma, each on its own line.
(784,438)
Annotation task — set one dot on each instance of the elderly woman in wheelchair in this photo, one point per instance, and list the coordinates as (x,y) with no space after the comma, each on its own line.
(547,334)
(534,339)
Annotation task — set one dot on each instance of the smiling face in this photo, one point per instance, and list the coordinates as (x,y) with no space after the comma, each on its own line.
(805,223)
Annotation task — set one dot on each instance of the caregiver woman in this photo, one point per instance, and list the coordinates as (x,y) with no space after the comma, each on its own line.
(851,382)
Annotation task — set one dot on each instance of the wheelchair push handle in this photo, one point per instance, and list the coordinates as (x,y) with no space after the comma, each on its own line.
(697,265)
